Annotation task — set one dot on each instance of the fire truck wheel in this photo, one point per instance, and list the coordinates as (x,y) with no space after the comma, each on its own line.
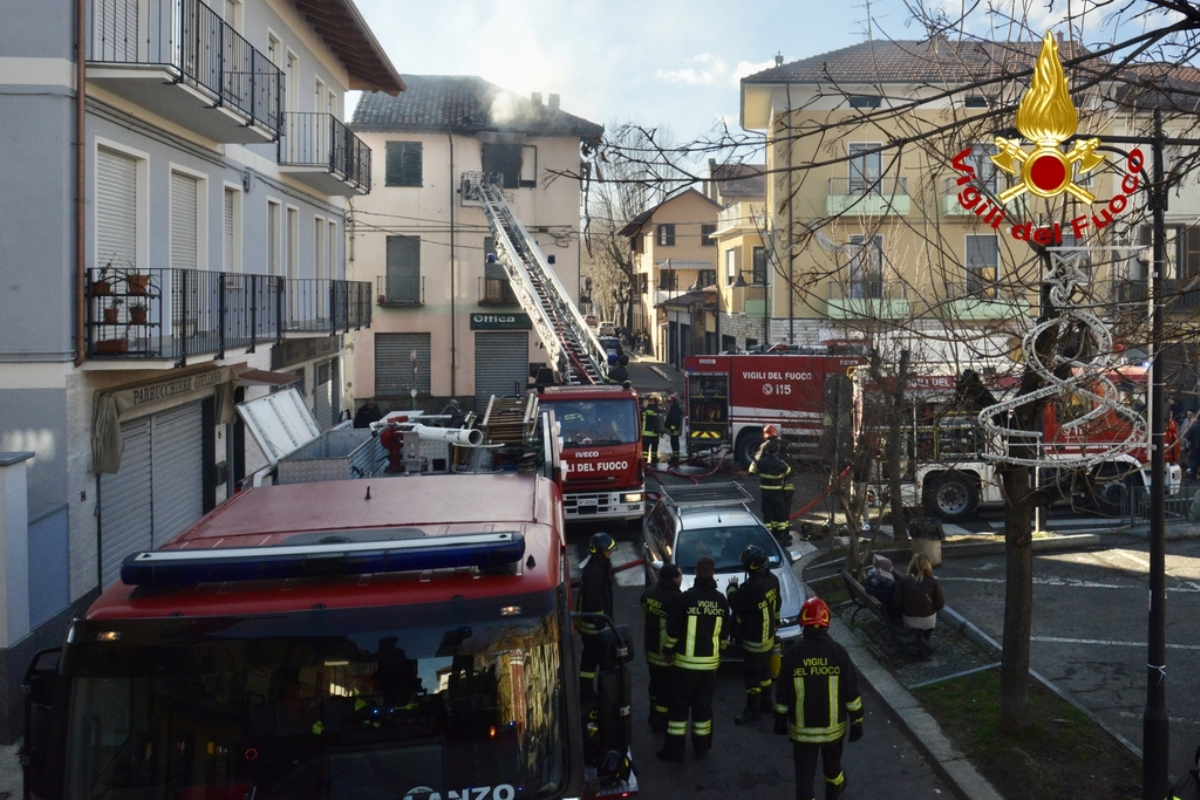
(952,496)
(1112,490)
(747,447)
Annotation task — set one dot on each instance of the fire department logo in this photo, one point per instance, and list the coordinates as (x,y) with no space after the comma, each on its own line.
(1047,117)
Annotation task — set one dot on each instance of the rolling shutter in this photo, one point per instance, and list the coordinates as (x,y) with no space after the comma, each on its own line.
(231,264)
(177,487)
(126,523)
(501,364)
(272,238)
(184,222)
(116,210)
(322,401)
(397,356)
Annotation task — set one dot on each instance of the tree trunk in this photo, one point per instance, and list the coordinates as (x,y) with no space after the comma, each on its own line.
(897,416)
(1018,600)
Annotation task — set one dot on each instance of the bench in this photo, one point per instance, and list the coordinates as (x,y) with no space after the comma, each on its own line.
(904,640)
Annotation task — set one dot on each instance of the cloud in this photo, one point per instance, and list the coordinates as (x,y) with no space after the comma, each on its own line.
(745,68)
(710,70)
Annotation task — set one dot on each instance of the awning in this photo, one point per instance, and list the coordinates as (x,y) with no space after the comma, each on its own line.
(264,377)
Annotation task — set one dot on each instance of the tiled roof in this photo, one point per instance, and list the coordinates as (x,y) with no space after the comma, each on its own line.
(1165,86)
(464,103)
(634,225)
(739,180)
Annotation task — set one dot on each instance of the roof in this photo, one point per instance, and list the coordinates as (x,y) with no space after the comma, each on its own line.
(633,226)
(690,298)
(465,103)
(1170,87)
(343,28)
(735,181)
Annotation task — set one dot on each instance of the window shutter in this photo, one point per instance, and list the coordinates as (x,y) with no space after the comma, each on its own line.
(395,164)
(412,155)
(116,210)
(184,222)
(1193,251)
(403,269)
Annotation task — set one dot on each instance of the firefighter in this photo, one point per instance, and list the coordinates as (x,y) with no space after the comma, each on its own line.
(673,426)
(651,428)
(620,373)
(775,488)
(696,627)
(806,709)
(656,604)
(595,596)
(755,607)
(769,432)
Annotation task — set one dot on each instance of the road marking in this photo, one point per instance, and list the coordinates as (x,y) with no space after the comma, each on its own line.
(951,529)
(1108,642)
(1140,561)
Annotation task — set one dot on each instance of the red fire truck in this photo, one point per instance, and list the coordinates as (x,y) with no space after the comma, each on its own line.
(731,398)
(381,638)
(601,432)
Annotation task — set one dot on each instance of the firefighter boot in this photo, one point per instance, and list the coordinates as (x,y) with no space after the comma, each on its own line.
(834,788)
(751,712)
(765,703)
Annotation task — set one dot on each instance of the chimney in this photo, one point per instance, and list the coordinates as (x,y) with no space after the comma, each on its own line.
(1061,43)
(779,59)
(536,98)
(553,101)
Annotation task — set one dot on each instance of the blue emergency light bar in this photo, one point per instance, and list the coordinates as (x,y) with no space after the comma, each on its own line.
(186,567)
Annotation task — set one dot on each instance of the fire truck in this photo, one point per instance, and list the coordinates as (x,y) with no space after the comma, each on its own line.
(373,638)
(730,399)
(944,445)
(601,432)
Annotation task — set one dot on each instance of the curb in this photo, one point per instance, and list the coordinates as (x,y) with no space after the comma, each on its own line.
(1066,541)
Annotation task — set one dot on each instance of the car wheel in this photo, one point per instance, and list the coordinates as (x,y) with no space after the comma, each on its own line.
(952,496)
(747,447)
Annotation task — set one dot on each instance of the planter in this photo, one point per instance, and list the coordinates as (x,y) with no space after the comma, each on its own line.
(930,548)
(111,315)
(110,347)
(101,288)
(137,283)
(137,316)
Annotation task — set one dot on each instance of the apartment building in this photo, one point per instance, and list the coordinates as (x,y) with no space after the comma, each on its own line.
(446,324)
(741,321)
(173,228)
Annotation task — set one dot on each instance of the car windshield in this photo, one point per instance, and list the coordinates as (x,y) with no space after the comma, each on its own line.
(592,423)
(724,545)
(354,704)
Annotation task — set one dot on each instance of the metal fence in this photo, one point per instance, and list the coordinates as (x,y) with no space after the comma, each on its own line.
(400,290)
(318,139)
(888,187)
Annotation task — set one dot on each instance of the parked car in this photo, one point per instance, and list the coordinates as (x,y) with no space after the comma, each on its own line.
(608,329)
(715,519)
(592,321)
(612,344)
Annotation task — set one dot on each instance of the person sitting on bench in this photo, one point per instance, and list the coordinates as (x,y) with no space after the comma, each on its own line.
(880,584)
(918,595)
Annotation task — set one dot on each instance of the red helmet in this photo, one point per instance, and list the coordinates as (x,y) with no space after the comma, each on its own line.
(770,431)
(814,613)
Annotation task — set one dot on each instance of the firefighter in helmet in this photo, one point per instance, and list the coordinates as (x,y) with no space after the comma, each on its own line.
(673,426)
(775,488)
(651,428)
(755,608)
(595,597)
(656,605)
(816,696)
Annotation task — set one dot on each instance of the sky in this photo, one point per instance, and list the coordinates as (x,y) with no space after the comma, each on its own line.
(671,64)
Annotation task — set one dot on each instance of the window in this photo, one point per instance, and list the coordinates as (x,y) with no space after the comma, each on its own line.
(292,253)
(866,267)
(292,96)
(528,165)
(275,49)
(1182,248)
(233,231)
(865,167)
(273,231)
(185,221)
(403,164)
(666,280)
(119,207)
(643,283)
(504,159)
(233,14)
(320,252)
(731,266)
(496,289)
(404,269)
(983,264)
(706,277)
(332,241)
(985,170)
(665,235)
(975,101)
(865,101)
(706,235)
(759,265)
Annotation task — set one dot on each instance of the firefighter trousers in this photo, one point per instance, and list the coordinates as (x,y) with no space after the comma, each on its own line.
(675,454)
(805,758)
(756,672)
(650,448)
(775,513)
(660,696)
(692,691)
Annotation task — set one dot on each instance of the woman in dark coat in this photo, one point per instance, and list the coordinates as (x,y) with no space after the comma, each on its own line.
(918,595)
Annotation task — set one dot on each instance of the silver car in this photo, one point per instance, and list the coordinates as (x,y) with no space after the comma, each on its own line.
(715,520)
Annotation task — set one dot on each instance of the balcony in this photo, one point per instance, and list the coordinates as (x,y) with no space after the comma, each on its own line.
(972,301)
(867,299)
(180,60)
(864,198)
(742,216)
(950,205)
(319,150)
(399,290)
(176,314)
(496,292)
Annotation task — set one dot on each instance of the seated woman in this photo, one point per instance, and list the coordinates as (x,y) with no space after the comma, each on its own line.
(918,595)
(880,584)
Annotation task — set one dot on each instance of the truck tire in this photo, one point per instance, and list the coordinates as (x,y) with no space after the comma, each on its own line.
(1113,490)
(952,496)
(747,447)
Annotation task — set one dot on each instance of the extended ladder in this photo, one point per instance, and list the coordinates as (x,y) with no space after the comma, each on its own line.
(573,348)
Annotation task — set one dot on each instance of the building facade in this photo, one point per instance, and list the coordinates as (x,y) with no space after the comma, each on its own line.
(173,236)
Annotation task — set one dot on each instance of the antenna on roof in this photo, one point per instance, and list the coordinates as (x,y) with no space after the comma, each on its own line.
(779,59)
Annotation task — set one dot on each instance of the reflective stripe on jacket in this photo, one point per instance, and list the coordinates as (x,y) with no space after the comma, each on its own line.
(656,604)
(755,607)
(595,594)
(773,474)
(695,626)
(817,689)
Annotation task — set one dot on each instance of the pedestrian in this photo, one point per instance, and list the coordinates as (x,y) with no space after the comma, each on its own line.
(656,604)
(367,414)
(651,428)
(696,626)
(918,595)
(1176,408)
(881,582)
(595,597)
(673,425)
(755,609)
(816,695)
(620,373)
(1191,441)
(775,489)
(1188,787)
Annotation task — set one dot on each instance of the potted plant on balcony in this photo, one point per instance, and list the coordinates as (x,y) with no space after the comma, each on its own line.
(111,314)
(137,312)
(103,283)
(111,347)
(136,282)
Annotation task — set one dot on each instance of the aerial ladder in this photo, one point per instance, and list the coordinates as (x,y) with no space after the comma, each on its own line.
(574,350)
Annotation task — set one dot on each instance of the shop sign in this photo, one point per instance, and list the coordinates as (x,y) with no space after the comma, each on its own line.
(501,322)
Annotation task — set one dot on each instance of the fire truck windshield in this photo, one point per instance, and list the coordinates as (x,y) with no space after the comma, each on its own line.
(597,422)
(347,703)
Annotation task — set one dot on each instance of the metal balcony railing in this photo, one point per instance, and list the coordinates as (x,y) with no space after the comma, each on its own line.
(739,215)
(887,187)
(316,139)
(868,289)
(496,292)
(192,41)
(179,313)
(400,290)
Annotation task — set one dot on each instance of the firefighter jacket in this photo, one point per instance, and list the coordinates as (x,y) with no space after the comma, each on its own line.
(656,604)
(696,625)
(817,689)
(673,424)
(617,375)
(1187,787)
(651,422)
(774,474)
(755,607)
(595,594)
